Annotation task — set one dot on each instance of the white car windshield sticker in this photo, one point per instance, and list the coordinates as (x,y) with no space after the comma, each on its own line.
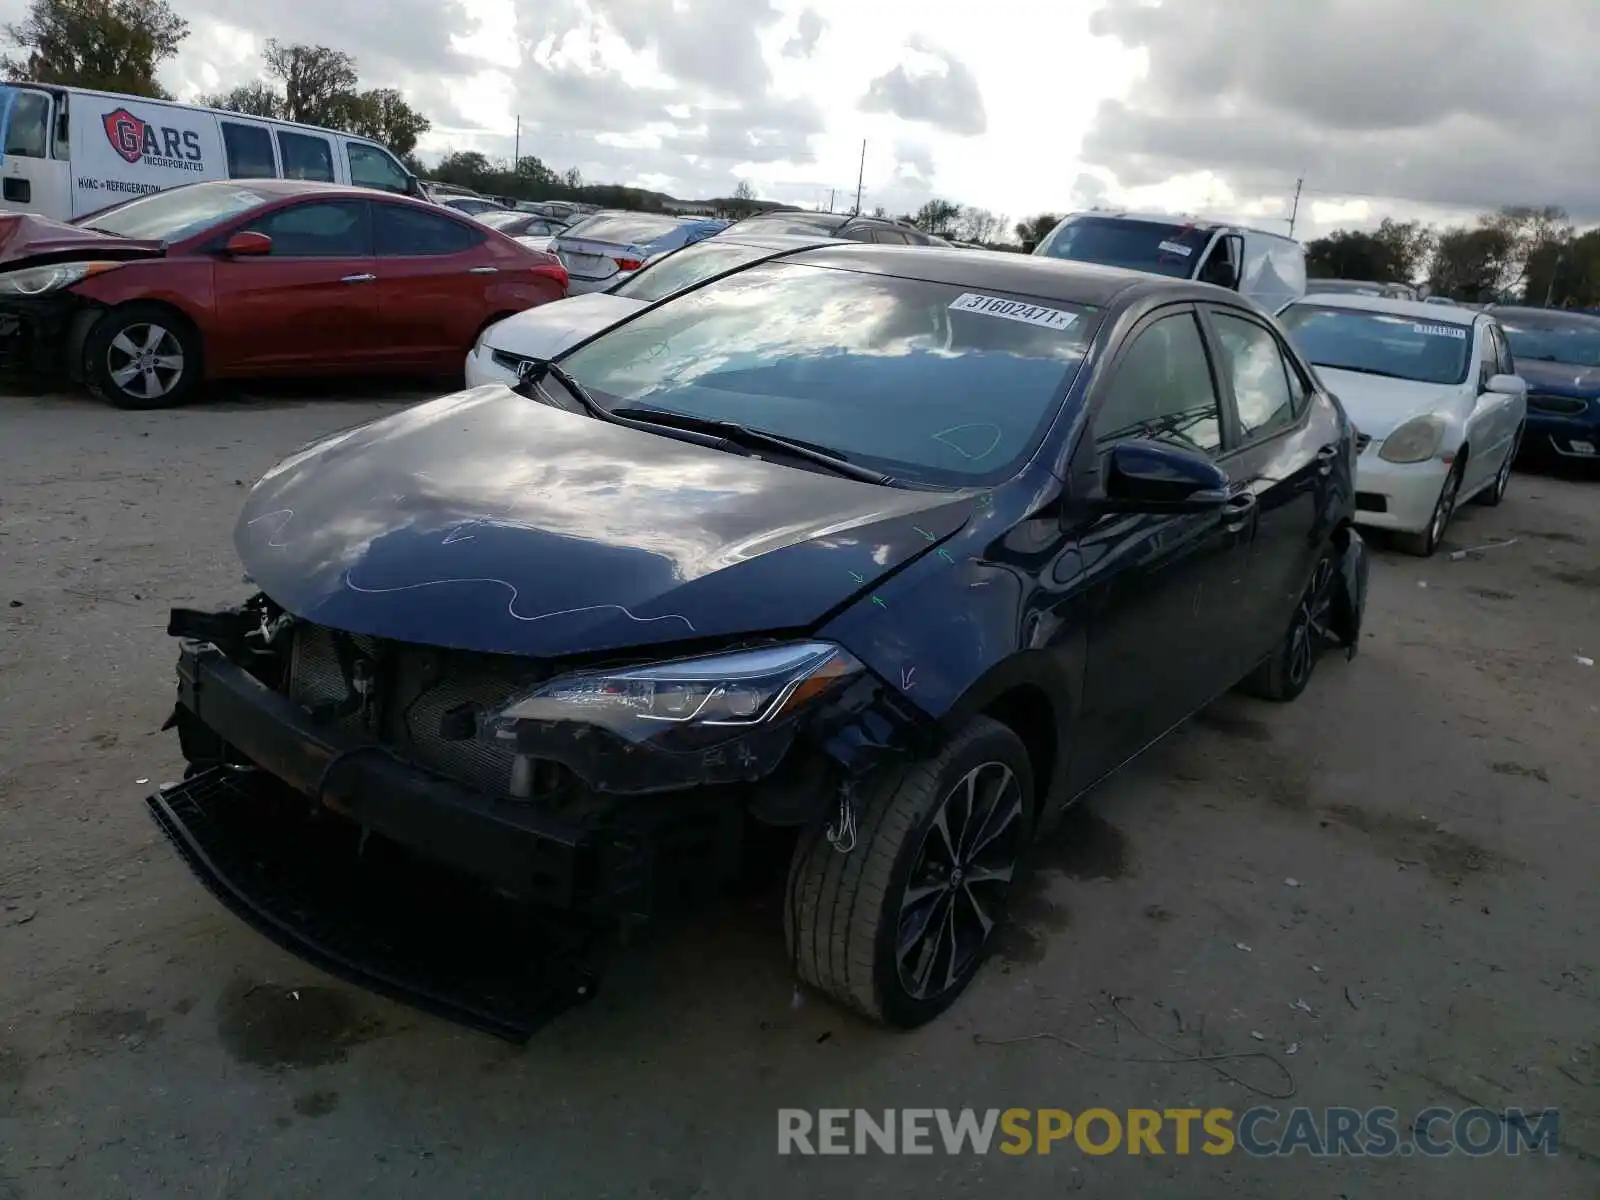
(1174,248)
(1449,331)
(1013,310)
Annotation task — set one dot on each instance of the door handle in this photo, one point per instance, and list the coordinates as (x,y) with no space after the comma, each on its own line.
(483,270)
(358,279)
(1237,512)
(1325,459)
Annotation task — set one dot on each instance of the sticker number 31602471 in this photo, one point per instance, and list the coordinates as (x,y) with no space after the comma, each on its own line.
(1013,310)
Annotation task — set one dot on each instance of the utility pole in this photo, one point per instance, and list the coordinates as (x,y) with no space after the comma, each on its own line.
(1294,212)
(860,175)
(831,194)
(516,146)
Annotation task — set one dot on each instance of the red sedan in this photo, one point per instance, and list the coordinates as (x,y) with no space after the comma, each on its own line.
(144,301)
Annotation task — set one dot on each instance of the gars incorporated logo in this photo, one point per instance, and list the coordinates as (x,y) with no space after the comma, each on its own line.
(137,140)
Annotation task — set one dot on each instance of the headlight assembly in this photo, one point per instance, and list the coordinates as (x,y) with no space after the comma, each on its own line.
(716,718)
(1415,441)
(35,281)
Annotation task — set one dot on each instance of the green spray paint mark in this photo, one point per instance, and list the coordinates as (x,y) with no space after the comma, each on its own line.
(879,602)
(925,533)
(945,554)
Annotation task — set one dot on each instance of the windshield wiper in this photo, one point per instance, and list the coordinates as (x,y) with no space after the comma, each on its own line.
(756,439)
(542,367)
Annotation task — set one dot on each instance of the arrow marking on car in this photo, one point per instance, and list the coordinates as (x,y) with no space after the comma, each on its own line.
(276,531)
(908,678)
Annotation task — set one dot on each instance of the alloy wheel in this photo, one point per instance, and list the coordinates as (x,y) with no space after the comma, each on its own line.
(145,361)
(1444,508)
(957,883)
(1310,629)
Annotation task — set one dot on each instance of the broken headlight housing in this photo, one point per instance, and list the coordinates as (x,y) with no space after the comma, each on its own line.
(713,718)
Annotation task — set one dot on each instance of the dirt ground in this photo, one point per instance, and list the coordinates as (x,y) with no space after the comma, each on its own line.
(1432,802)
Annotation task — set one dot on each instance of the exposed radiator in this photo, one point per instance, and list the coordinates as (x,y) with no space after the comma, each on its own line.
(417,686)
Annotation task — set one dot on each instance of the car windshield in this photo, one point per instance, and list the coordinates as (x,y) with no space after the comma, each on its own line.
(1345,286)
(623,229)
(927,382)
(1156,247)
(1380,343)
(179,213)
(687,267)
(1575,342)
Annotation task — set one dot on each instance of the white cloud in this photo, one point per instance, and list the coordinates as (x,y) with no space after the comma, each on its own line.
(1015,105)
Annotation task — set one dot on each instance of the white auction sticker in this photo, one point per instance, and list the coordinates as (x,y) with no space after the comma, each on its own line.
(1174,248)
(1449,331)
(1013,310)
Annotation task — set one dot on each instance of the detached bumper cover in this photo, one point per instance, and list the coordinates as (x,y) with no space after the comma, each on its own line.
(382,920)
(36,331)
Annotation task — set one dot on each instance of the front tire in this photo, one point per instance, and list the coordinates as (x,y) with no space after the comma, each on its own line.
(1424,544)
(898,927)
(142,357)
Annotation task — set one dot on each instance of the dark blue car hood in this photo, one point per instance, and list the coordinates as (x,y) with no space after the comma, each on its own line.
(488,521)
(1560,379)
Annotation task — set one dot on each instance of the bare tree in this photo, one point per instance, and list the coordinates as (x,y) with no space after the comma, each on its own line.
(317,82)
(744,191)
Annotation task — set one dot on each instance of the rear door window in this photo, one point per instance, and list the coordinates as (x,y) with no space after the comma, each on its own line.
(374,168)
(249,150)
(401,231)
(305,156)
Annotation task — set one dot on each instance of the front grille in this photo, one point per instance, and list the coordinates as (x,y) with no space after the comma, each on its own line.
(1558,406)
(417,685)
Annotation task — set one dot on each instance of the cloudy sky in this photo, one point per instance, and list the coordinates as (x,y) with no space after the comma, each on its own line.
(1432,108)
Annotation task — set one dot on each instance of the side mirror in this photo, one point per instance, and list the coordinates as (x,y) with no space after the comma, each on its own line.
(1150,477)
(1506,385)
(247,244)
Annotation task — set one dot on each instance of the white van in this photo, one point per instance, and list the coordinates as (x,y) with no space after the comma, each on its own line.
(66,152)
(1268,268)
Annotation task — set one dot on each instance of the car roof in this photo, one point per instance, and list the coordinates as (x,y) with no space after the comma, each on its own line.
(1393,305)
(1024,274)
(1554,317)
(774,241)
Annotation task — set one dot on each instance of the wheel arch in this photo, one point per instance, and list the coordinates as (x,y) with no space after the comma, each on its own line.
(175,311)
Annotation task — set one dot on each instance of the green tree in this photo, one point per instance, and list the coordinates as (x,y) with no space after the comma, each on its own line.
(464,168)
(936,217)
(383,115)
(252,99)
(1470,264)
(318,82)
(112,45)
(1034,230)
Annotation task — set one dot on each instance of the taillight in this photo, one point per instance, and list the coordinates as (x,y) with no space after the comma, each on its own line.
(628,264)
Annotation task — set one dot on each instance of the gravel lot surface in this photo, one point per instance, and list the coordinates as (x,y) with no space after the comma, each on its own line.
(1433,802)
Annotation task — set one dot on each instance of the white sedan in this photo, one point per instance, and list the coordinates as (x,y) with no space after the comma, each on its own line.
(1433,392)
(505,348)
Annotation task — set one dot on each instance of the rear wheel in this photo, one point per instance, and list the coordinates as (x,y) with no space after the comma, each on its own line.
(1424,544)
(1285,675)
(898,927)
(1496,491)
(142,356)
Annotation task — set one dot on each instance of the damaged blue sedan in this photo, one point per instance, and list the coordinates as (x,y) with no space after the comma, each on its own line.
(897,552)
